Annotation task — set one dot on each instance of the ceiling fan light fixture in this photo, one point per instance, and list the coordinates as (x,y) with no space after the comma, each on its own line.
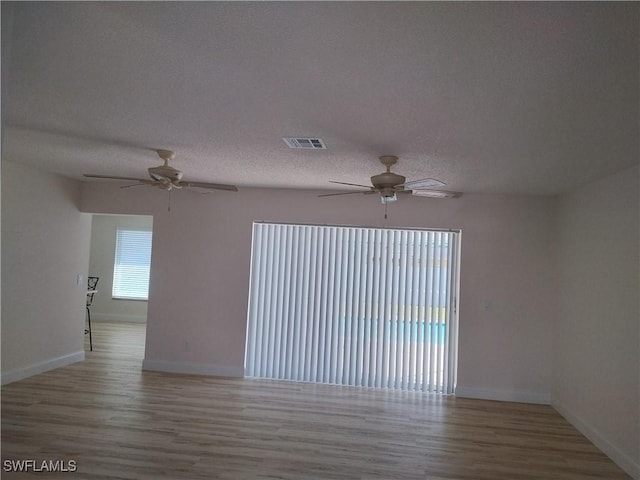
(388,198)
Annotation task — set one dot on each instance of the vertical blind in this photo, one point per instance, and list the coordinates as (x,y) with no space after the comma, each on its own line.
(132,264)
(354,306)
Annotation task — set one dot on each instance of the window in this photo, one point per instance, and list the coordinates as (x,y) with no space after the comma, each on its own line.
(354,306)
(132,264)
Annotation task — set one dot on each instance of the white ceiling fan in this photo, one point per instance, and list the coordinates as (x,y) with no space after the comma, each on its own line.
(166,177)
(389,184)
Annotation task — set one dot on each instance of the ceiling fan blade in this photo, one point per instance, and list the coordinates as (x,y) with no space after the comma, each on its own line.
(112,177)
(436,193)
(421,184)
(352,184)
(138,184)
(214,186)
(199,190)
(343,193)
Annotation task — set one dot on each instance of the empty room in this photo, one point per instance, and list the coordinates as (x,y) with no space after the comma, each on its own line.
(320,240)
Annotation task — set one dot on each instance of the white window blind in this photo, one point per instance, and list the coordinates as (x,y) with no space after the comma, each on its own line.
(132,264)
(354,306)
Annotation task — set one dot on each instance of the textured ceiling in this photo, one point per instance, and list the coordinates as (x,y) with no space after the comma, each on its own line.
(502,97)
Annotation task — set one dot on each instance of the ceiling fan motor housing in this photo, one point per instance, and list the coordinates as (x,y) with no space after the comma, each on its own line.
(387,180)
(165,172)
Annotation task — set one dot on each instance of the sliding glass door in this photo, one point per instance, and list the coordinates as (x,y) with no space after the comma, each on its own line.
(354,306)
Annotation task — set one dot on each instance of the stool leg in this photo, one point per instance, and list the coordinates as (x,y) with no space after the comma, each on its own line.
(90,338)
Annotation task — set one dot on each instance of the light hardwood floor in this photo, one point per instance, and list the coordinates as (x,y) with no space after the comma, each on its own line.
(116,421)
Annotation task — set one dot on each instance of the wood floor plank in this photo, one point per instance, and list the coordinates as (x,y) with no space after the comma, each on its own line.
(116,421)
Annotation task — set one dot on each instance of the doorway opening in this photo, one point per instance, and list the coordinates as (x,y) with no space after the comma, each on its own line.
(120,257)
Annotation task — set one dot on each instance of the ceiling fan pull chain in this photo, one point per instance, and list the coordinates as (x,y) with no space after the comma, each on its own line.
(169,206)
(385,210)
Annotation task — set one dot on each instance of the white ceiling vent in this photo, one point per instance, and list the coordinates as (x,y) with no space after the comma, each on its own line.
(305,143)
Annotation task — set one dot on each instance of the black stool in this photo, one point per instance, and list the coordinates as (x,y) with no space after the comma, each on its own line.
(92,282)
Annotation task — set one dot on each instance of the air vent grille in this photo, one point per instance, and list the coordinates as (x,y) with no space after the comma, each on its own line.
(305,143)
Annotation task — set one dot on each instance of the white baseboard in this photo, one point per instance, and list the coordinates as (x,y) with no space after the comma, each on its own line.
(117,317)
(623,460)
(41,367)
(192,368)
(542,398)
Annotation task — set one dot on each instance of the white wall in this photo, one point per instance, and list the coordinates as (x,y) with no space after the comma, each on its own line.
(45,246)
(597,361)
(103,246)
(200,275)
